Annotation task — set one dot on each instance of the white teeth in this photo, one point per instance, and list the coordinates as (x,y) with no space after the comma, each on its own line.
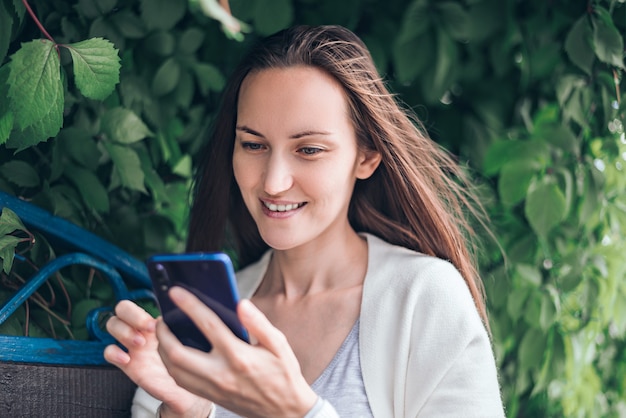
(281,208)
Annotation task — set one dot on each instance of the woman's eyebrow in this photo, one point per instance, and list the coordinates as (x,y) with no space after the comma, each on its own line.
(246,129)
(302,134)
(309,133)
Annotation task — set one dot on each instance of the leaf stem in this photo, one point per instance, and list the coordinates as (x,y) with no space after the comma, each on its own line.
(37,22)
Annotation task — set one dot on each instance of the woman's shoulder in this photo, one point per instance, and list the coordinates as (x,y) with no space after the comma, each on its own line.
(401,264)
(426,289)
(396,273)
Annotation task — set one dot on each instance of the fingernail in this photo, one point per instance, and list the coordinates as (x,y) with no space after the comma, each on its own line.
(247,308)
(177,294)
(139,340)
(122,358)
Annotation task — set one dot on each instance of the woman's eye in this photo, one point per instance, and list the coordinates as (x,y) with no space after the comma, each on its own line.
(252,146)
(310,150)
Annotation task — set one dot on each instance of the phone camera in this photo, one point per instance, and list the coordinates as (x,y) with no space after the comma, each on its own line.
(161,275)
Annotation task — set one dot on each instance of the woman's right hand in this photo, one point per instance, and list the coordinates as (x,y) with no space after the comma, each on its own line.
(134,328)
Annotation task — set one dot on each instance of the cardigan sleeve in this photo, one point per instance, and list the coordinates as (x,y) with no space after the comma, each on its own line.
(144,405)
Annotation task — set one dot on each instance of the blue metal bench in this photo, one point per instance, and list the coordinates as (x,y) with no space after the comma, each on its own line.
(33,369)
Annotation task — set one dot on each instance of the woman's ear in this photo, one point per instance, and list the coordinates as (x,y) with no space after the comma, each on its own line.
(367,164)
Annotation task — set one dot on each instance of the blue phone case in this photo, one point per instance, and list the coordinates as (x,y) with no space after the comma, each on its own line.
(209,276)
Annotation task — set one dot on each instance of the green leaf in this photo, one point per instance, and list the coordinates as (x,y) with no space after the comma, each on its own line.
(91,189)
(415,22)
(549,309)
(34,82)
(522,248)
(209,78)
(127,166)
(102,290)
(183,167)
(19,9)
(515,178)
(531,350)
(105,6)
(578,45)
(576,105)
(532,310)
(96,67)
(9,222)
(151,177)
(82,309)
(545,206)
(485,18)
(501,153)
(191,40)
(178,210)
(41,130)
(455,19)
(7,255)
(20,173)
(529,274)
(411,56)
(166,77)
(439,77)
(544,60)
(162,14)
(600,263)
(161,43)
(6,125)
(272,15)
(88,9)
(79,144)
(123,126)
(566,85)
(128,24)
(9,241)
(607,40)
(567,185)
(185,90)
(560,136)
(103,27)
(6,25)
(6,115)
(516,301)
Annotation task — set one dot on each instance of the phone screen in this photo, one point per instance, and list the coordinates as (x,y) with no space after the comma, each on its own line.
(210,277)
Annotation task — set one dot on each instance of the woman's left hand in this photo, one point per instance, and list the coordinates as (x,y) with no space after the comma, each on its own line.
(254,380)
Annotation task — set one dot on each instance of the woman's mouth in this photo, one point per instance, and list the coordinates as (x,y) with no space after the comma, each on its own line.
(282,208)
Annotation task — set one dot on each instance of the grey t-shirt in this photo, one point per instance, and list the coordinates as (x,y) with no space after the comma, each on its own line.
(341,383)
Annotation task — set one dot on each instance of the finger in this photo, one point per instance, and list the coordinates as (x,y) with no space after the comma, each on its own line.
(171,349)
(167,339)
(213,328)
(182,361)
(135,316)
(116,356)
(124,333)
(262,329)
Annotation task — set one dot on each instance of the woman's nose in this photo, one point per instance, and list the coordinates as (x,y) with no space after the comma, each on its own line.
(278,175)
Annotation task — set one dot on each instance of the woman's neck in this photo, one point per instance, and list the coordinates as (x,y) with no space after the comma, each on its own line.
(328,263)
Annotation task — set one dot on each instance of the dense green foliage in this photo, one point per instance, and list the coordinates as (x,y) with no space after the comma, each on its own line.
(529,93)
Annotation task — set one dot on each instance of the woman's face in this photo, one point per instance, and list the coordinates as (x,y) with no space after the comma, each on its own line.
(296,157)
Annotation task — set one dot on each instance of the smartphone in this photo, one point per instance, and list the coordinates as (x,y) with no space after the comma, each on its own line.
(210,277)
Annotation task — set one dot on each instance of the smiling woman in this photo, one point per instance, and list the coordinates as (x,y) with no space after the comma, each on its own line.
(349,227)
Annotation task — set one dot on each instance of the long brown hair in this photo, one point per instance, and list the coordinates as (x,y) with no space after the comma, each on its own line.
(417,198)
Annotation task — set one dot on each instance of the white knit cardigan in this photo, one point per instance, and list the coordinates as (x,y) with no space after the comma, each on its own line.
(424,349)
